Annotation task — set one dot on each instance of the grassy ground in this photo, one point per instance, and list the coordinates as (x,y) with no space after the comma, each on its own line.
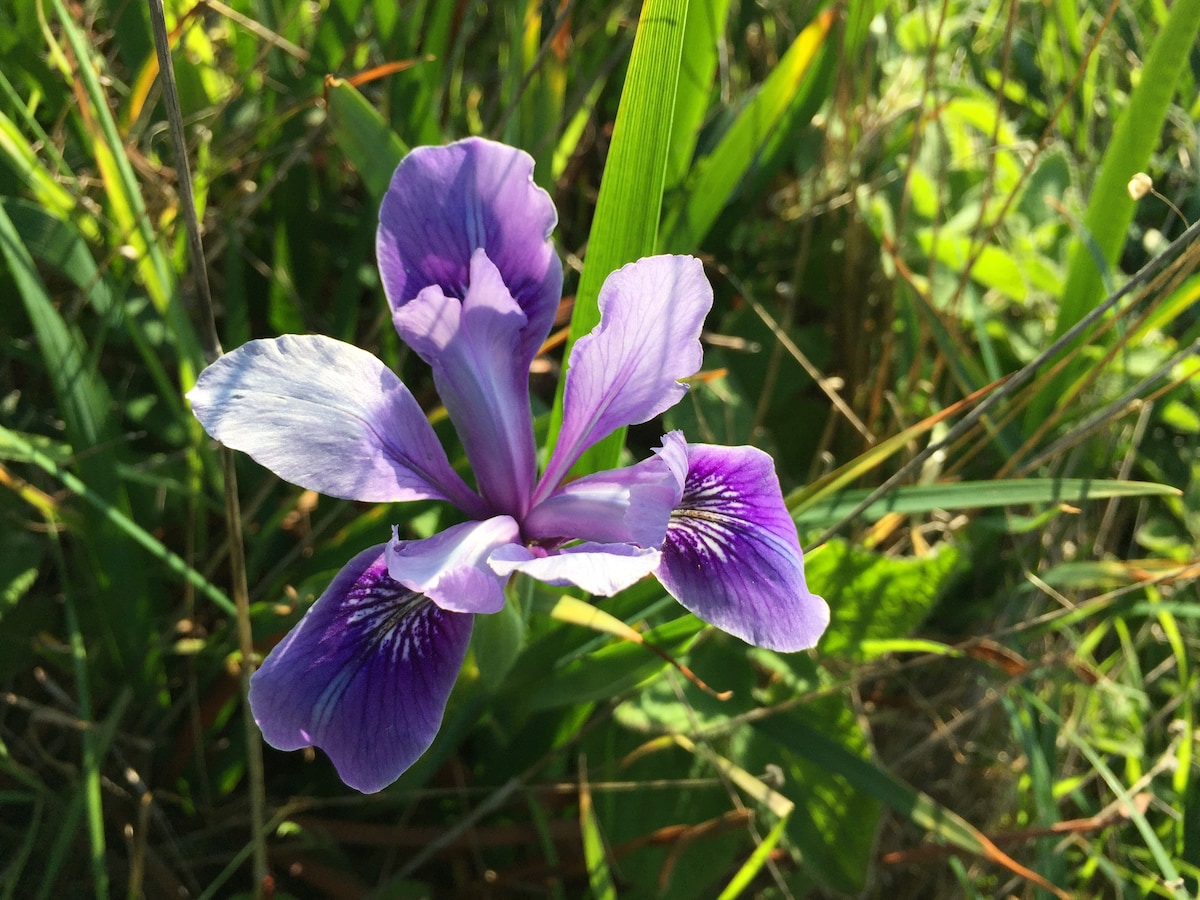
(934,292)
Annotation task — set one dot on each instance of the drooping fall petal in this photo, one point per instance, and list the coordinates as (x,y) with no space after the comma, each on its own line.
(732,556)
(329,417)
(364,676)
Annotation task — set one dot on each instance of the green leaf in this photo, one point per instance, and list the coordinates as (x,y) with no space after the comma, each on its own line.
(362,134)
(750,869)
(625,226)
(875,596)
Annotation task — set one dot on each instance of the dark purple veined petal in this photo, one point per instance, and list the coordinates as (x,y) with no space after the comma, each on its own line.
(451,568)
(732,556)
(329,417)
(365,676)
(444,203)
(619,506)
(627,370)
(601,569)
(473,347)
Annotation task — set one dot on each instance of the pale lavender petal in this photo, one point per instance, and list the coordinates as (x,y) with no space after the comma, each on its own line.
(732,556)
(472,345)
(444,203)
(620,506)
(365,676)
(627,369)
(329,417)
(451,567)
(601,569)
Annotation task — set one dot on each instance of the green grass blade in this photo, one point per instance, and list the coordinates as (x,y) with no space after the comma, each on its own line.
(705,26)
(363,135)
(977,495)
(170,560)
(625,227)
(1110,208)
(750,869)
(599,877)
(718,175)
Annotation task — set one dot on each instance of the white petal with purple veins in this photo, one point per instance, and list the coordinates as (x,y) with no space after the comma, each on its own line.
(365,676)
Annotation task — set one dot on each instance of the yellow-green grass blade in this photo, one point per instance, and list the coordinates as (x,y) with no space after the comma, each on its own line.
(716,177)
(625,226)
(922,498)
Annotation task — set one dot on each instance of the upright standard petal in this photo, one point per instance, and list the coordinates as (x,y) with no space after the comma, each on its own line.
(472,345)
(444,203)
(365,676)
(732,556)
(451,568)
(628,369)
(329,417)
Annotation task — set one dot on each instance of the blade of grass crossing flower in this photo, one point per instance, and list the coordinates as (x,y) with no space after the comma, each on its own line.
(716,177)
(752,866)
(916,806)
(362,134)
(625,226)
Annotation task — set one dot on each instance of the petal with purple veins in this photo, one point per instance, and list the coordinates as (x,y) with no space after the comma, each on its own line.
(627,370)
(601,569)
(472,346)
(444,203)
(451,567)
(329,417)
(365,676)
(732,556)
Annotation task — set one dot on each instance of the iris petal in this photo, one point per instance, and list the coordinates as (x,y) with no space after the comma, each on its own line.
(329,417)
(629,506)
(451,569)
(444,203)
(627,370)
(601,569)
(732,556)
(472,345)
(365,676)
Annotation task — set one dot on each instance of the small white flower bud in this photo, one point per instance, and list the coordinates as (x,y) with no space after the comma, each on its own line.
(1140,185)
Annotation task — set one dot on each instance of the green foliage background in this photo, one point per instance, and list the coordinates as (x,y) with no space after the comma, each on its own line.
(900,206)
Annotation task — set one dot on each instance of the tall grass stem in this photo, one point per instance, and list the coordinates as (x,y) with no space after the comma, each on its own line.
(212,349)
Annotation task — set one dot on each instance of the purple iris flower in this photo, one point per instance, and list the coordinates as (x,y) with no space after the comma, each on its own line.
(473,283)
